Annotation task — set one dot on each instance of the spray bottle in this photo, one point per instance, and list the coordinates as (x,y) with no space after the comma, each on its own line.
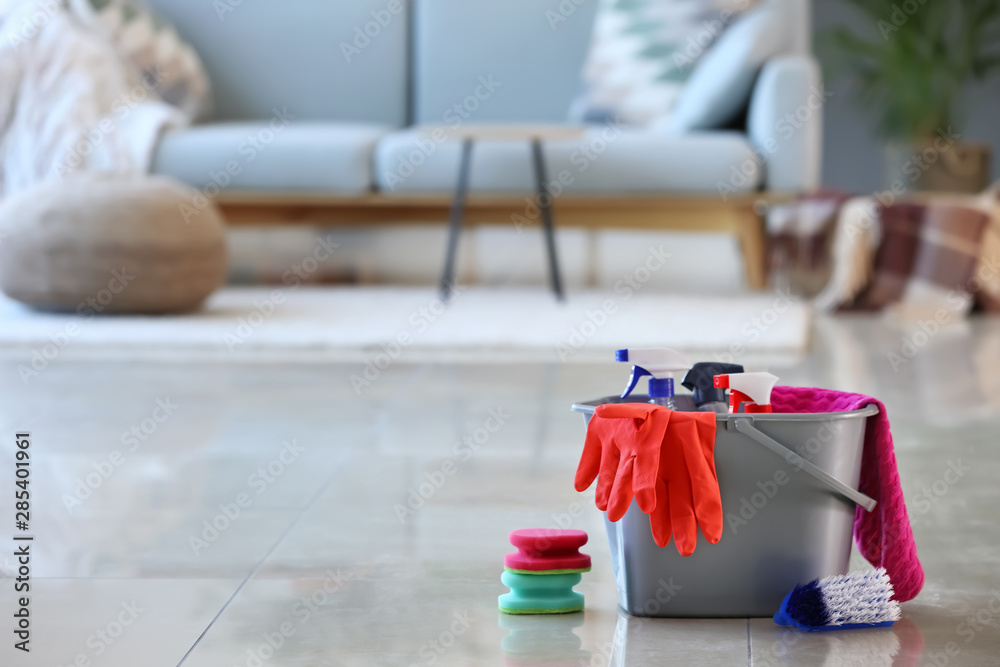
(659,363)
(701,381)
(752,391)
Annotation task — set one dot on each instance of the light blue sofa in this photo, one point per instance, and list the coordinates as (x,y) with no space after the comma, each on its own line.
(351,96)
(320,99)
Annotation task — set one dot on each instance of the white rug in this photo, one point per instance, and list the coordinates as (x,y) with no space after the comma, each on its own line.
(262,323)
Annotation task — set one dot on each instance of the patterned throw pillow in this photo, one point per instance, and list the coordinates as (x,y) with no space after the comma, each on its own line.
(642,53)
(155,48)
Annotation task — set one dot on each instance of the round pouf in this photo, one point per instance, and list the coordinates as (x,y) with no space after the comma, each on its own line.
(106,243)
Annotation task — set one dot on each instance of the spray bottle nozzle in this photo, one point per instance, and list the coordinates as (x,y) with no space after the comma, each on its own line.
(637,372)
(752,391)
(658,363)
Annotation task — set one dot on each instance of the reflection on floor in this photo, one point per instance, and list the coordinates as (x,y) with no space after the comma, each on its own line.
(251,514)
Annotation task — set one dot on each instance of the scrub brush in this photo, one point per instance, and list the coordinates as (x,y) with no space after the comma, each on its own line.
(841,602)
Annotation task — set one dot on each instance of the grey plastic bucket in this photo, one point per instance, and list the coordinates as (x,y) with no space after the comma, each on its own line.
(789,488)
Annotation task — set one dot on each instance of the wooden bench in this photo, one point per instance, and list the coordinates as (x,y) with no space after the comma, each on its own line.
(738,216)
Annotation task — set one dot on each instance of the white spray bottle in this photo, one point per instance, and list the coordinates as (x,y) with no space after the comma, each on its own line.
(659,363)
(752,391)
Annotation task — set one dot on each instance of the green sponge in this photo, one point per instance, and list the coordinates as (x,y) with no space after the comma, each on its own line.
(540,593)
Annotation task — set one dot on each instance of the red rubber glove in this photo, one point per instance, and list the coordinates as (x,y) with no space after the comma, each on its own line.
(687,491)
(622,451)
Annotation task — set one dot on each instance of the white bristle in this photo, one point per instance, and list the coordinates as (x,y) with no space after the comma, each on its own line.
(859,597)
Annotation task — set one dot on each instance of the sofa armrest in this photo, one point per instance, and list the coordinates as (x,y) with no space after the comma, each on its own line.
(785,122)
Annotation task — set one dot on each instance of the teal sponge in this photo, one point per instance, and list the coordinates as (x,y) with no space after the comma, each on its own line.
(540,593)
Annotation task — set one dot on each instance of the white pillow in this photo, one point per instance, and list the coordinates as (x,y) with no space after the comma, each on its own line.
(721,83)
(642,53)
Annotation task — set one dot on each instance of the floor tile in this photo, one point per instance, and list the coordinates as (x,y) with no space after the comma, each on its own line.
(113,622)
(390,528)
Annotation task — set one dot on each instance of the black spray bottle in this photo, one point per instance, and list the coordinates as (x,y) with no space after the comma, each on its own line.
(700,380)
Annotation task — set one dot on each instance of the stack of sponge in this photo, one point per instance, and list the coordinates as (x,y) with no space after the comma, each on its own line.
(542,572)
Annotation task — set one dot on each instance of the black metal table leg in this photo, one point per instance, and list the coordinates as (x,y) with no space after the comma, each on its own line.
(545,206)
(455,227)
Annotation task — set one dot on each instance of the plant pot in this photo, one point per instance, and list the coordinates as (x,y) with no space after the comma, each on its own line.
(937,166)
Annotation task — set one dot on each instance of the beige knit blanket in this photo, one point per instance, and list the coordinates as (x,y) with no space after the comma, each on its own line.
(69,100)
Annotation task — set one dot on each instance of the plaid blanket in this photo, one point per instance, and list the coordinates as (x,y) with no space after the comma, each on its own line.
(942,254)
(927,256)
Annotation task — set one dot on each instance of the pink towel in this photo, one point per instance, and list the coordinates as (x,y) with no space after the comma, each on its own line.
(884,536)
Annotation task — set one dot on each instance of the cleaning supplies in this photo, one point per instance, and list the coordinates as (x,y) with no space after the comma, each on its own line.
(752,391)
(701,381)
(550,551)
(841,602)
(687,486)
(540,594)
(543,571)
(884,536)
(622,451)
(666,459)
(659,363)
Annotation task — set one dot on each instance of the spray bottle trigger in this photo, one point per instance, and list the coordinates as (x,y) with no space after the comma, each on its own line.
(637,372)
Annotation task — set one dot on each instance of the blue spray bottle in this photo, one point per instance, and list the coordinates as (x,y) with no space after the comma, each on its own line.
(659,363)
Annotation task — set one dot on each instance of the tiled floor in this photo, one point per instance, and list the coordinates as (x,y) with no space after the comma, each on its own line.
(257,518)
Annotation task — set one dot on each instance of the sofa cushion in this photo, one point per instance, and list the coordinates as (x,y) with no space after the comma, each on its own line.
(720,85)
(531,51)
(323,59)
(605,159)
(276,155)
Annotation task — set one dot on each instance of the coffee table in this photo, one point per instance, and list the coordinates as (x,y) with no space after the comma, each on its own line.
(468,135)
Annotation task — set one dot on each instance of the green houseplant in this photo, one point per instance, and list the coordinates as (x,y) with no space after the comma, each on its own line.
(910,71)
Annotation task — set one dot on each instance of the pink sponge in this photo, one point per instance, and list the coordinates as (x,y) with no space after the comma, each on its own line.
(547,551)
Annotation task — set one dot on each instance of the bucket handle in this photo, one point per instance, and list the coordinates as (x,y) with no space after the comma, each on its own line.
(746,427)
